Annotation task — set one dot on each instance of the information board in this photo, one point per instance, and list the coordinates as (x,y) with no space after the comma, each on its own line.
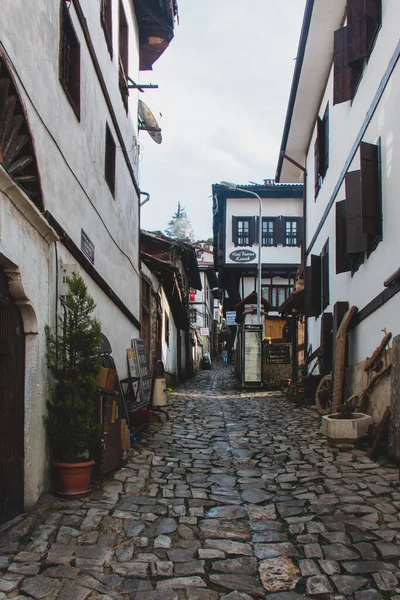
(252,355)
(141,364)
(278,354)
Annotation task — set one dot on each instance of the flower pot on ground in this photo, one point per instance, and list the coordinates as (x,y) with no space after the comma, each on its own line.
(346,430)
(74,363)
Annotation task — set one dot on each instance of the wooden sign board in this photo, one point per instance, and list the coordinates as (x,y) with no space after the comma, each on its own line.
(278,354)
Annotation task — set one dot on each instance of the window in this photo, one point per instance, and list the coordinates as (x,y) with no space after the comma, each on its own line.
(353,45)
(69,67)
(123,55)
(321,150)
(193,316)
(359,217)
(268,232)
(243,231)
(291,232)
(106,23)
(276,294)
(166,325)
(109,165)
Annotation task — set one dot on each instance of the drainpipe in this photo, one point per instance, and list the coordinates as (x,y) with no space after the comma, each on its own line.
(304,242)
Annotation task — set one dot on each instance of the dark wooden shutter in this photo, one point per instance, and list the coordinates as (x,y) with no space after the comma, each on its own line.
(325,275)
(299,231)
(316,168)
(324,146)
(364,18)
(252,231)
(235,230)
(356,240)
(342,76)
(370,190)
(326,345)
(313,287)
(343,260)
(279,231)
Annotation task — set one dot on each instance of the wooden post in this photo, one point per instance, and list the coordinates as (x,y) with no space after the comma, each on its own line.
(394,428)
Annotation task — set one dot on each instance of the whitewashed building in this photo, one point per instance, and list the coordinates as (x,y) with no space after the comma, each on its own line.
(69,195)
(341,129)
(204,303)
(236,243)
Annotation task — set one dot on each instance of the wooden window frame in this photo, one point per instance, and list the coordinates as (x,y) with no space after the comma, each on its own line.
(251,235)
(271,293)
(110,161)
(70,61)
(193,315)
(123,55)
(106,23)
(268,236)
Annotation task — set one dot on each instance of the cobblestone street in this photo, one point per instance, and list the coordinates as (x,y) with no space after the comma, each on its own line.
(237,495)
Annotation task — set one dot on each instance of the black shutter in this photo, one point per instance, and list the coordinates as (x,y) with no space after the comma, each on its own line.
(321,147)
(325,275)
(235,230)
(364,18)
(356,240)
(342,76)
(343,260)
(279,231)
(316,168)
(256,228)
(313,287)
(252,230)
(371,209)
(324,146)
(299,231)
(326,345)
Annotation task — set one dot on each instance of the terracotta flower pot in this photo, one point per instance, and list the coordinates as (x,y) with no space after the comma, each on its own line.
(73,479)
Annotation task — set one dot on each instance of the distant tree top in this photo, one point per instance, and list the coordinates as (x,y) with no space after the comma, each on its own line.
(179,227)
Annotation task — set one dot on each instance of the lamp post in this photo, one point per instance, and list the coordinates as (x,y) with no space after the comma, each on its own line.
(233,186)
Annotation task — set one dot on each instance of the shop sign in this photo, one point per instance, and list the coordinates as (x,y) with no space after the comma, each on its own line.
(204,331)
(242,256)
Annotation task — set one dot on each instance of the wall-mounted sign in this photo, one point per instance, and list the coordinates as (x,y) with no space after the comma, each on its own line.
(231,317)
(278,354)
(87,246)
(242,256)
(204,331)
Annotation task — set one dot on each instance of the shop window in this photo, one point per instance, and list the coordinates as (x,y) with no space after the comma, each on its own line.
(123,47)
(69,67)
(321,150)
(109,165)
(106,23)
(353,45)
(243,231)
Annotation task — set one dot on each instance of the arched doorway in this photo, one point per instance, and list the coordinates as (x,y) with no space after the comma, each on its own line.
(12,376)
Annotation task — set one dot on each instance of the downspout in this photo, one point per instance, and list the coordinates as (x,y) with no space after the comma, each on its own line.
(304,242)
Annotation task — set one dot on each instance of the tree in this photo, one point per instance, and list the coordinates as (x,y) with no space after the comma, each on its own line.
(179,227)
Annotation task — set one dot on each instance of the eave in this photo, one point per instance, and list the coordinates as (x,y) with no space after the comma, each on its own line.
(313,65)
(156,23)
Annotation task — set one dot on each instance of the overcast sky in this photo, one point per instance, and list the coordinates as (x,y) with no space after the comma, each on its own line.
(224,88)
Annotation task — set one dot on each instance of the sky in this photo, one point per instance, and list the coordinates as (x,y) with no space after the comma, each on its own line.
(224,86)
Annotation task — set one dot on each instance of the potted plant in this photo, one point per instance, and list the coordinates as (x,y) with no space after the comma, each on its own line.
(73,361)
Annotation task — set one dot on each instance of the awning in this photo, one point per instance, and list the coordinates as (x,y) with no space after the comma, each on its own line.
(294,304)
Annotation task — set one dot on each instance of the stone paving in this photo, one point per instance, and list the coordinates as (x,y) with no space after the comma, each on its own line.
(237,496)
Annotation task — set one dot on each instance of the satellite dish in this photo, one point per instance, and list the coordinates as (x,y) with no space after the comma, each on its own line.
(148,122)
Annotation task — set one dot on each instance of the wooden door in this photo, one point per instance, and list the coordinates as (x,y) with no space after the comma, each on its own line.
(12,375)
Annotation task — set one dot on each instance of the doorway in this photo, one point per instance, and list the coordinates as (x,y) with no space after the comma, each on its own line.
(12,377)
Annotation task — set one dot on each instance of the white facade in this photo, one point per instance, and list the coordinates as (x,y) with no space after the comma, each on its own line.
(371,116)
(70,150)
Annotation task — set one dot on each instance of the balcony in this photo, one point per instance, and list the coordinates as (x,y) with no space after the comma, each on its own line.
(156,22)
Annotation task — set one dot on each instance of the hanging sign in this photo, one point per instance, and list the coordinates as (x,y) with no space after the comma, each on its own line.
(231,317)
(242,256)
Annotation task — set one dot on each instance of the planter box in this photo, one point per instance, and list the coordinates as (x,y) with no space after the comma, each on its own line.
(346,430)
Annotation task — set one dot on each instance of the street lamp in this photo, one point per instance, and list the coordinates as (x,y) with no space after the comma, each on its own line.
(233,186)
